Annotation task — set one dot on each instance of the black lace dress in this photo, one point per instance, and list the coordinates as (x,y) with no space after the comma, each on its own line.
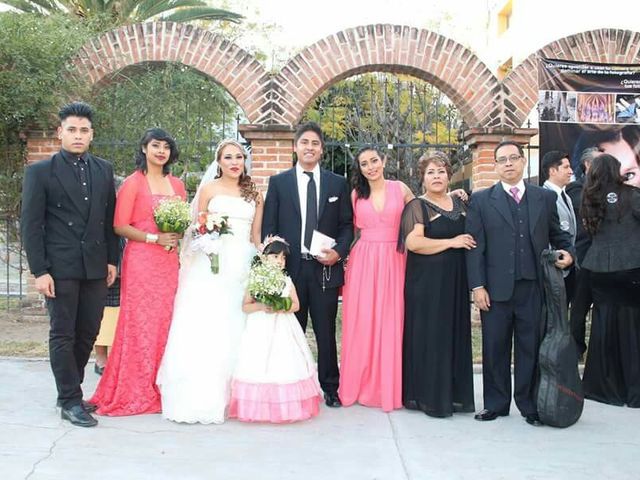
(437,361)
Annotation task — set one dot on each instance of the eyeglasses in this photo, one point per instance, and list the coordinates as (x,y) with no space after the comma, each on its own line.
(512,158)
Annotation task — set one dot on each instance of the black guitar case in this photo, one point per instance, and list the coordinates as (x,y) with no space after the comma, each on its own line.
(560,397)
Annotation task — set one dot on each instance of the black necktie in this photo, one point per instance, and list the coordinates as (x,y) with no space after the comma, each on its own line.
(312,210)
(566,200)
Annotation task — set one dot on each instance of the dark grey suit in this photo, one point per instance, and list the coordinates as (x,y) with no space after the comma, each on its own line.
(506,262)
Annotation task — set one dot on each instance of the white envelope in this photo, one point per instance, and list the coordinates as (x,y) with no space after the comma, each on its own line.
(320,241)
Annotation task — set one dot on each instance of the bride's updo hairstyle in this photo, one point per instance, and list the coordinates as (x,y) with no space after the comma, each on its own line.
(248,189)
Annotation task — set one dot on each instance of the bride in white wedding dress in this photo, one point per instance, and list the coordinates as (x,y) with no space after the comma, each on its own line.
(199,359)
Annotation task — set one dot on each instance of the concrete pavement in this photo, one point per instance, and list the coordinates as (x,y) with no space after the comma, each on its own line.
(349,443)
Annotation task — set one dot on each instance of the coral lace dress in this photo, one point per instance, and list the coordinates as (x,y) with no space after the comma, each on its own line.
(148,285)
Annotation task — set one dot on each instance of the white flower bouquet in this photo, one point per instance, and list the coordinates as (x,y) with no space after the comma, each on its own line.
(268,284)
(206,236)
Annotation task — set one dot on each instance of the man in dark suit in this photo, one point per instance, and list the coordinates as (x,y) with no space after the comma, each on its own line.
(582,299)
(298,201)
(512,223)
(67,230)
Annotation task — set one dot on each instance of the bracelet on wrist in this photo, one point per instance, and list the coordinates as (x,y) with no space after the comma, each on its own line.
(151,238)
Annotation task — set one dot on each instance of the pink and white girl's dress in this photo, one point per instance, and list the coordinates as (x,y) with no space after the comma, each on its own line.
(275,379)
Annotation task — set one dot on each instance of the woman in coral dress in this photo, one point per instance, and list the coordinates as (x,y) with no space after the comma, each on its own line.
(148,283)
(373,306)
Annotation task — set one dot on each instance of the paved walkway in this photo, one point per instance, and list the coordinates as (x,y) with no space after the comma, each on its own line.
(349,443)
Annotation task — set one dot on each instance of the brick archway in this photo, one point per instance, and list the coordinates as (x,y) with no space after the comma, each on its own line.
(449,66)
(520,88)
(233,68)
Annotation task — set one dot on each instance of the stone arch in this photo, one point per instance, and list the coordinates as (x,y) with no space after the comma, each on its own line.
(229,65)
(606,45)
(446,64)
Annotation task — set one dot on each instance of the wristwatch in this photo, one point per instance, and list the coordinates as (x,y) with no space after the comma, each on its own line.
(151,238)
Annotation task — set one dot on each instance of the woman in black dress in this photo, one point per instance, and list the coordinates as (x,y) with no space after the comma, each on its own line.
(437,363)
(611,215)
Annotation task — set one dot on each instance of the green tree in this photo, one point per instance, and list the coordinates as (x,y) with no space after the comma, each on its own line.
(124,12)
(410,115)
(189,105)
(33,84)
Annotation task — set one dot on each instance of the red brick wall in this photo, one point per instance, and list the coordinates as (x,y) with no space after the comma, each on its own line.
(278,100)
(41,144)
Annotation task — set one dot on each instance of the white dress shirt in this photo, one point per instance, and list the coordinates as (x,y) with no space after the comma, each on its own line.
(303,181)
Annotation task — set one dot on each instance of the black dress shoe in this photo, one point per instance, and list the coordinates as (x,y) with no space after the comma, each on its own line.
(98,369)
(78,416)
(88,407)
(332,400)
(533,419)
(488,415)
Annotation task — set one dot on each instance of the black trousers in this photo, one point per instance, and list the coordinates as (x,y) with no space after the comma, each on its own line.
(323,307)
(580,306)
(519,319)
(75,315)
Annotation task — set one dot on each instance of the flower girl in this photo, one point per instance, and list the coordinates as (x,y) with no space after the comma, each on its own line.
(275,378)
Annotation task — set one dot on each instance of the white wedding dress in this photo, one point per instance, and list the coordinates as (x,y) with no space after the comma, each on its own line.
(195,372)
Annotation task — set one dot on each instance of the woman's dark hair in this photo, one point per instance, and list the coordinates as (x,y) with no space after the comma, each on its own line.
(437,157)
(593,139)
(358,181)
(248,189)
(276,247)
(76,109)
(156,134)
(602,180)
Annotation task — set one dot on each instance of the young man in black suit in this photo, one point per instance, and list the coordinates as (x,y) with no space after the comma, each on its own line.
(299,200)
(68,204)
(512,224)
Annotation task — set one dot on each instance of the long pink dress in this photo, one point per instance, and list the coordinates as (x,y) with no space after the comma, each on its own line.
(373,307)
(148,285)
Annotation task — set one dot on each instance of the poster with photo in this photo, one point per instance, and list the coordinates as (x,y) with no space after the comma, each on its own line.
(583,105)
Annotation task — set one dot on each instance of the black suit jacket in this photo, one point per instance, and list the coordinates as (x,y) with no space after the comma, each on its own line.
(492,263)
(57,239)
(614,247)
(335,218)
(583,240)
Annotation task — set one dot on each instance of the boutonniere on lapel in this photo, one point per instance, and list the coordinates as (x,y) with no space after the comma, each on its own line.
(332,199)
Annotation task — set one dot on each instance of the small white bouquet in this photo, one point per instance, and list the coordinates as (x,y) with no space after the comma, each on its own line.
(172,215)
(268,284)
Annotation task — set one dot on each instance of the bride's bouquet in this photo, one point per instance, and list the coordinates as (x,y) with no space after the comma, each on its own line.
(206,236)
(172,215)
(268,284)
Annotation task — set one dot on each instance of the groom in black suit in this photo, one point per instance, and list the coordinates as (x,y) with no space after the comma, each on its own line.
(512,222)
(67,231)
(299,200)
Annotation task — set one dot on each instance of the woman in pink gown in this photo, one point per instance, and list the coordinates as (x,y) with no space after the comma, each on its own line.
(373,305)
(148,283)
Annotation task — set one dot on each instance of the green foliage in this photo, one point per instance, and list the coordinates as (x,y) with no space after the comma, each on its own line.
(129,11)
(33,52)
(33,84)
(410,115)
(195,110)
